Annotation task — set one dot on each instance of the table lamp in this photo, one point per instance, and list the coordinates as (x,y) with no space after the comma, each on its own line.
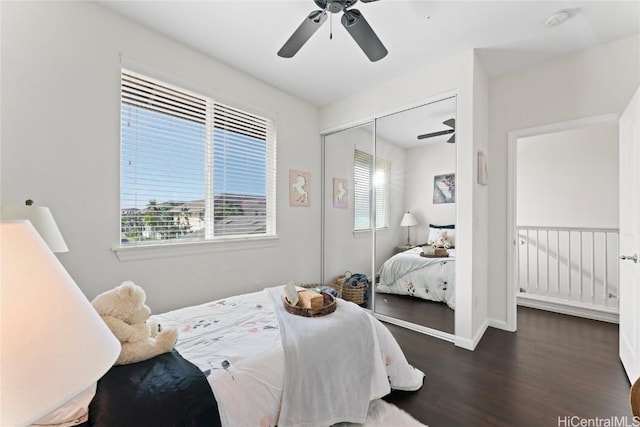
(407,221)
(54,343)
(42,220)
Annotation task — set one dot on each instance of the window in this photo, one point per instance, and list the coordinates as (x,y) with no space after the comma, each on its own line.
(364,175)
(192,169)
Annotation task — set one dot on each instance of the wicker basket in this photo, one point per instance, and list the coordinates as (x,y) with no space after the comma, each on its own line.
(328,307)
(355,292)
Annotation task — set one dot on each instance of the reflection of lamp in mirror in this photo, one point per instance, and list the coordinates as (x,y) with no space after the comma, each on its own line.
(54,343)
(407,221)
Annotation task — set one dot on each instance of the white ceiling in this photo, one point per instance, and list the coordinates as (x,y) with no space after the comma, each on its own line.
(403,128)
(509,35)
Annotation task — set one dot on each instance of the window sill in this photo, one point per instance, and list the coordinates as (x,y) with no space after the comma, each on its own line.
(136,253)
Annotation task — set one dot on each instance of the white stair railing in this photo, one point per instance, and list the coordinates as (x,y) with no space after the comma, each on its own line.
(579,265)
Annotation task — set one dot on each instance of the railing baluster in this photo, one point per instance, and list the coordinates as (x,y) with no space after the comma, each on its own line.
(517,243)
(537,260)
(605,280)
(569,268)
(547,243)
(580,262)
(528,261)
(593,265)
(558,261)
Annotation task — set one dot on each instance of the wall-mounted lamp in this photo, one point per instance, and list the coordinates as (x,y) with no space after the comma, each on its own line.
(408,220)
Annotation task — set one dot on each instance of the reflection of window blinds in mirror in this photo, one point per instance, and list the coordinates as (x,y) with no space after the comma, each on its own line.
(363,174)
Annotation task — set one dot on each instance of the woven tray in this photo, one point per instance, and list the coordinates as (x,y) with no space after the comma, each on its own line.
(433,256)
(329,307)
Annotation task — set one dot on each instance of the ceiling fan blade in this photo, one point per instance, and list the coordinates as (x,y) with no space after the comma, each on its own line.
(363,34)
(450,122)
(367,1)
(452,140)
(432,134)
(303,33)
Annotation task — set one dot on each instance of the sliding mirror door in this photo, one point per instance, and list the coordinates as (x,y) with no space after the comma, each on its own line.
(415,205)
(347,236)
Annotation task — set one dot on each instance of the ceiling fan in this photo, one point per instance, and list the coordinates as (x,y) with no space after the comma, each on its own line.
(352,20)
(449,122)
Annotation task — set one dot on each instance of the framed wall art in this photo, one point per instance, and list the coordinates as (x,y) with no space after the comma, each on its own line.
(340,193)
(444,188)
(482,168)
(299,188)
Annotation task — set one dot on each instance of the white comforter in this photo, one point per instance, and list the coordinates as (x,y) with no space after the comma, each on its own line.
(408,273)
(236,342)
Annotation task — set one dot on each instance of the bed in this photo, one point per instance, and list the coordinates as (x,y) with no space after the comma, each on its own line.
(410,273)
(267,367)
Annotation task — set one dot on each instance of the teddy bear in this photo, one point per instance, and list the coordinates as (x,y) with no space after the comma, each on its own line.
(124,311)
(442,241)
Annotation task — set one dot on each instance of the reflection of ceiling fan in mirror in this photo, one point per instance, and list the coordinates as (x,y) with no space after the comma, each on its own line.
(451,123)
(352,20)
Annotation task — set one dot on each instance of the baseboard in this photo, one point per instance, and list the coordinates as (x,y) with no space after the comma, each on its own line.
(418,328)
(499,324)
(470,344)
(565,307)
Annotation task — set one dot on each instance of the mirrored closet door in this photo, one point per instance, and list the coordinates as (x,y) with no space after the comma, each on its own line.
(347,235)
(416,213)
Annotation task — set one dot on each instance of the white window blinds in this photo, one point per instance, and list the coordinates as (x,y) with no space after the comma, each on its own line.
(191,168)
(364,175)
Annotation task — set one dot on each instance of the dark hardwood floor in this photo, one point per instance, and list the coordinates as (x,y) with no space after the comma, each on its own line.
(553,366)
(435,315)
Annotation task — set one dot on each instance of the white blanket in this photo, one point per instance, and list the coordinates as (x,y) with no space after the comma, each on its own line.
(332,388)
(236,343)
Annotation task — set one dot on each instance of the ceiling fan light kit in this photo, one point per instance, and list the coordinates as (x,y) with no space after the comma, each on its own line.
(352,20)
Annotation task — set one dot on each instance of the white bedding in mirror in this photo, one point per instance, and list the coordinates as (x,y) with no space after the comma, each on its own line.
(410,273)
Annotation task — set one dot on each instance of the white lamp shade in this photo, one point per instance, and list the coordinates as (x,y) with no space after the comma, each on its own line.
(42,220)
(408,220)
(54,343)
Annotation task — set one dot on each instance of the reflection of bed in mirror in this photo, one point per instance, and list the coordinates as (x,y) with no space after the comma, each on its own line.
(419,273)
(413,274)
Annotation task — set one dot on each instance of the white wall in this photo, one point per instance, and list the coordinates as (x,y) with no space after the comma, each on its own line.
(60,147)
(569,178)
(422,164)
(594,82)
(480,201)
(455,74)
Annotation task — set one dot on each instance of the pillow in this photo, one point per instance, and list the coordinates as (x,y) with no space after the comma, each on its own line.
(434,230)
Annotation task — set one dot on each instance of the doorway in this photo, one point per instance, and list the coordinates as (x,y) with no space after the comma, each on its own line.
(562,234)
